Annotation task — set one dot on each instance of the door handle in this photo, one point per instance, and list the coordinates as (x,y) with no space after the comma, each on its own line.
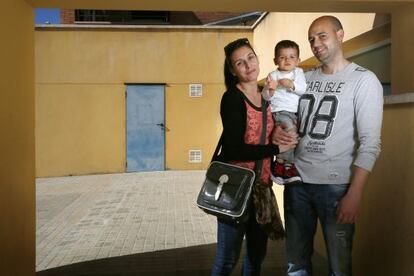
(162,126)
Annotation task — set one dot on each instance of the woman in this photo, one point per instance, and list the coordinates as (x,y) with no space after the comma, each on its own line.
(241,115)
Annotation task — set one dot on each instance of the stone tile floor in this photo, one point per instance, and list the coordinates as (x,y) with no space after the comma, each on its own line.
(132,224)
(82,218)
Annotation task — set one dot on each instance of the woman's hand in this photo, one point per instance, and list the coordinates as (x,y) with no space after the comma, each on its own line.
(282,137)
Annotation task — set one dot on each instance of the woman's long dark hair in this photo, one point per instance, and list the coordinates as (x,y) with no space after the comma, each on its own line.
(231,80)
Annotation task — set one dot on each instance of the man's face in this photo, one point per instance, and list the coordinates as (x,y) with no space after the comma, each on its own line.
(324,40)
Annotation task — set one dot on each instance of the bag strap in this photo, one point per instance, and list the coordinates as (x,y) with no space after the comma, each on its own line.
(215,155)
(258,163)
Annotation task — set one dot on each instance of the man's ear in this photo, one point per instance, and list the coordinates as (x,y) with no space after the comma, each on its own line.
(340,34)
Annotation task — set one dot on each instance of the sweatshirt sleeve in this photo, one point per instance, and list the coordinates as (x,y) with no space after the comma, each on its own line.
(299,82)
(368,106)
(233,116)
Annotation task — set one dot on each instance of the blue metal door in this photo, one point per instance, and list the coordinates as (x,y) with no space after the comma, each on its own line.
(145,131)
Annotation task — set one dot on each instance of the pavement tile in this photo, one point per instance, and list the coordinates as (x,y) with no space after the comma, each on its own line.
(97,216)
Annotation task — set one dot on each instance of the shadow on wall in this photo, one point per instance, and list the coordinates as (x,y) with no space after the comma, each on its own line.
(189,261)
(381,19)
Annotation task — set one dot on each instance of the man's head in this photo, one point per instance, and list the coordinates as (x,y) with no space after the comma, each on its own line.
(325,36)
(286,55)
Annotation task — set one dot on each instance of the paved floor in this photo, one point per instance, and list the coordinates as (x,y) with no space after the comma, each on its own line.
(131,224)
(91,217)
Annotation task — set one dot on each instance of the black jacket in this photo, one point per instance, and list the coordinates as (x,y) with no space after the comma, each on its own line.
(233,116)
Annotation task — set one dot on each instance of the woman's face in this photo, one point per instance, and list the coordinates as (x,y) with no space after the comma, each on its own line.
(245,64)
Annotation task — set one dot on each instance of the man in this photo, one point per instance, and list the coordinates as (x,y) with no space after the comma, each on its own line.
(339,126)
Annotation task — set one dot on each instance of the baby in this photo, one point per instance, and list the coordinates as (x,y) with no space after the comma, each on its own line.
(283,88)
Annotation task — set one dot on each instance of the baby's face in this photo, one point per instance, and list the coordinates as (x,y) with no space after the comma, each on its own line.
(287,60)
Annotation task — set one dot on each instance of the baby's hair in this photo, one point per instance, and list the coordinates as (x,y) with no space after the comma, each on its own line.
(283,44)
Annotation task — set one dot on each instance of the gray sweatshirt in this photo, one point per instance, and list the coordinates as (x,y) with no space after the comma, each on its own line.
(340,118)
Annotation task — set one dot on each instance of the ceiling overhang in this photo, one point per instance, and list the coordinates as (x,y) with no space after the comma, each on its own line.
(228,5)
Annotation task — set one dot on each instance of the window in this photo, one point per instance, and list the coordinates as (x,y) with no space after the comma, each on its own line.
(122,17)
(194,156)
(195,90)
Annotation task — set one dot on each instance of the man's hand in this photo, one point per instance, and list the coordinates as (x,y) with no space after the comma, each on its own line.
(348,207)
(281,137)
(287,83)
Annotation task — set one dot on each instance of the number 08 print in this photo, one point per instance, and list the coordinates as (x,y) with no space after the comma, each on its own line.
(321,123)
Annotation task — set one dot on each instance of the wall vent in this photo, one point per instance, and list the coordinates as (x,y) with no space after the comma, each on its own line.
(194,156)
(195,90)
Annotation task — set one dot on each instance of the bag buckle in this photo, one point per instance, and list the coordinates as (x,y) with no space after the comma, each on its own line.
(222,180)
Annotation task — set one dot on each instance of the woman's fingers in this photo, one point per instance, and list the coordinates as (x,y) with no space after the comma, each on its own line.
(281,137)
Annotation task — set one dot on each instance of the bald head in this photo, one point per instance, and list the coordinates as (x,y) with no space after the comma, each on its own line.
(336,24)
(325,37)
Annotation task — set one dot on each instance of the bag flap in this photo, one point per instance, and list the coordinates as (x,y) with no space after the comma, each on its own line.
(233,191)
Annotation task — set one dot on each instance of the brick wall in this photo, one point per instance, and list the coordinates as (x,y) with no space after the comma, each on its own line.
(67,16)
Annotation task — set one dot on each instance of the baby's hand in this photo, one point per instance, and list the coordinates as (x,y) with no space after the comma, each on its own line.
(271,84)
(287,83)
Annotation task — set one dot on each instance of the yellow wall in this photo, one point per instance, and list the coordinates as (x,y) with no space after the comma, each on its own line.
(193,123)
(385,226)
(294,26)
(17,167)
(402,46)
(80,76)
(79,129)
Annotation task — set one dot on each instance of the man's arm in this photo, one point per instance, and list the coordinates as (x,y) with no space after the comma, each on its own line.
(348,207)
(368,105)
